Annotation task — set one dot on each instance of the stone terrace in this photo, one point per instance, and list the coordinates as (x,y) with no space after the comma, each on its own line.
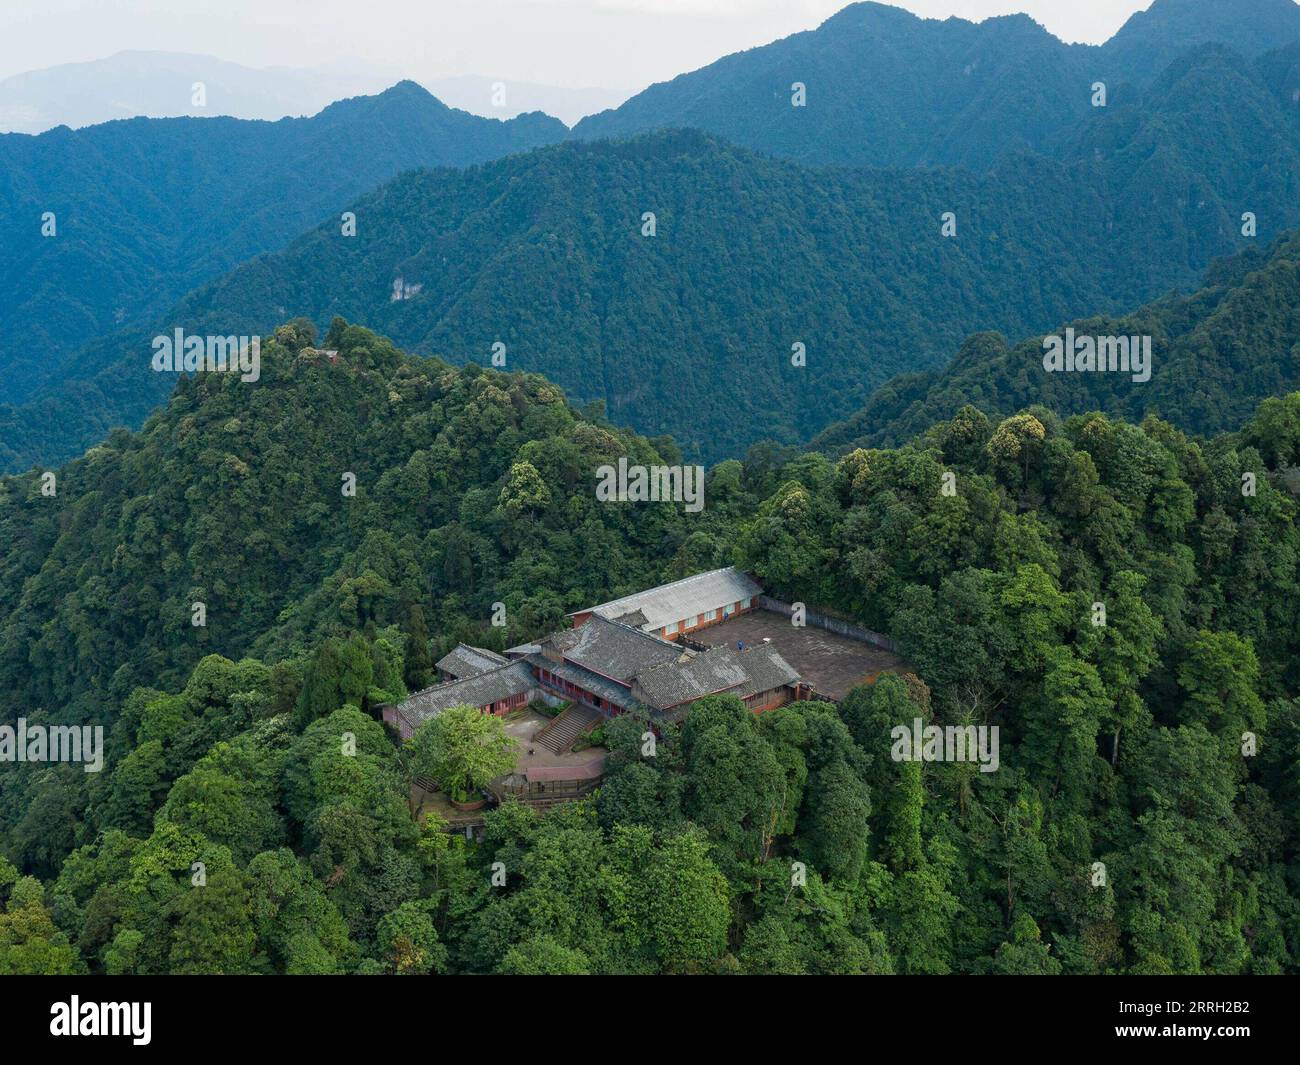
(831,663)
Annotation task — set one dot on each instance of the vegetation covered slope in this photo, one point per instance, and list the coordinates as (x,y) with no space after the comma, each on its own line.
(886,88)
(145,209)
(538,254)
(883,88)
(691,330)
(1216,354)
(1127,829)
(233,496)
(1154,37)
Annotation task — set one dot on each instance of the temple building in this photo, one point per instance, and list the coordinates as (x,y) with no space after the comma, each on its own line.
(494,691)
(652,654)
(610,668)
(656,652)
(673,610)
(466,661)
(615,668)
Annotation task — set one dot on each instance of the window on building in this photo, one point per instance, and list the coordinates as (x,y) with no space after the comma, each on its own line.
(728,610)
(744,604)
(710,615)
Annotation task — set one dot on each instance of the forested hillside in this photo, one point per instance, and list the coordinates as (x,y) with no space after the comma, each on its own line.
(1121,742)
(691,330)
(1062,209)
(1155,36)
(883,87)
(1216,354)
(145,209)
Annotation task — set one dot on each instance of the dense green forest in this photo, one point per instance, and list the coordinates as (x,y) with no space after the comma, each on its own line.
(146,209)
(884,87)
(691,331)
(1125,830)
(1216,354)
(1057,208)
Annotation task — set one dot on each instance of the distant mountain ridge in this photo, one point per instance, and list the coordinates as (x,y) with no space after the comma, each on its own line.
(506,97)
(145,209)
(691,331)
(153,84)
(884,87)
(1151,39)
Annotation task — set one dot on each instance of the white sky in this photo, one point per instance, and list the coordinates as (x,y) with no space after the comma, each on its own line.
(574,43)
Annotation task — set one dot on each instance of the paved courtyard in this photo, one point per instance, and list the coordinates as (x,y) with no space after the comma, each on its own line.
(831,663)
(523,725)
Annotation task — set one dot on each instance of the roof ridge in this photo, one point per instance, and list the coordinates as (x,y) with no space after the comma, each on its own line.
(443,685)
(659,640)
(642,633)
(662,587)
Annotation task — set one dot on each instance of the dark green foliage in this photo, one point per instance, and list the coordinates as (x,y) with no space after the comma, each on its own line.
(1112,836)
(146,209)
(254,816)
(1216,355)
(887,88)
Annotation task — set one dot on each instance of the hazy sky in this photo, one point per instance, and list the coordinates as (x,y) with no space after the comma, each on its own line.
(608,43)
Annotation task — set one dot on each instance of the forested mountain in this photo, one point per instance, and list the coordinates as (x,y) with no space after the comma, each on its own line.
(1121,743)
(1216,354)
(543,253)
(886,88)
(1152,38)
(145,209)
(428,445)
(690,331)
(883,88)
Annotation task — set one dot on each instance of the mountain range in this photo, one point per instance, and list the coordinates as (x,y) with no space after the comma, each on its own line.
(146,209)
(1058,210)
(143,84)
(1217,353)
(884,87)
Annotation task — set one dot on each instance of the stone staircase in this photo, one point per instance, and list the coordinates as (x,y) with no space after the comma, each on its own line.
(561,732)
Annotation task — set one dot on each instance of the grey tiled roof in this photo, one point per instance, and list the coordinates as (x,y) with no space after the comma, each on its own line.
(714,671)
(635,619)
(720,669)
(480,690)
(661,674)
(685,598)
(465,660)
(584,678)
(766,670)
(613,650)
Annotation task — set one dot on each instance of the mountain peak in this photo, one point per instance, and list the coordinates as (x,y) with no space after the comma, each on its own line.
(408,88)
(403,94)
(868,12)
(1167,27)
